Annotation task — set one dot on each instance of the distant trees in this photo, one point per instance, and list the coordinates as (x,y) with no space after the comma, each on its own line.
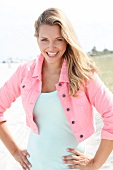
(105,50)
(95,52)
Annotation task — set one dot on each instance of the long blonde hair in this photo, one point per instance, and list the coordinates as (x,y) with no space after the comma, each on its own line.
(80,65)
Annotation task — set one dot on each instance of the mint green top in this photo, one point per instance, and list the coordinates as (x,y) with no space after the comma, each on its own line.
(55,136)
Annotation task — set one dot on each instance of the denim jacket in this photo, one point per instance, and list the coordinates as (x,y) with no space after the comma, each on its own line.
(26,82)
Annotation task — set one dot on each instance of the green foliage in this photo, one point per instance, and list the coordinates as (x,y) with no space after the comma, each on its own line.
(95,52)
(105,64)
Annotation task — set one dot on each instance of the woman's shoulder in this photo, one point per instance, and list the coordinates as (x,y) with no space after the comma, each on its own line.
(94,78)
(28,64)
(94,83)
(26,68)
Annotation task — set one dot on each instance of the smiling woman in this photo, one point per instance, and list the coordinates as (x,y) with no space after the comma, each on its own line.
(59,90)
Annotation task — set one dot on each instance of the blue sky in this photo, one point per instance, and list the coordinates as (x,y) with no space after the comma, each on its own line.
(92,21)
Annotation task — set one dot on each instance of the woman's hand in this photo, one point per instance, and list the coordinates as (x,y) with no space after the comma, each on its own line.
(77,160)
(21,157)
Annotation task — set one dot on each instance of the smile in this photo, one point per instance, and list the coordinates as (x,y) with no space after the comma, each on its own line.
(51,54)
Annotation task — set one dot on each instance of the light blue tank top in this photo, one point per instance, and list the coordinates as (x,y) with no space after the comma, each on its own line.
(55,136)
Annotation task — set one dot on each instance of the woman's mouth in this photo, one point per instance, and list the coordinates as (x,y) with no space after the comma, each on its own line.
(51,54)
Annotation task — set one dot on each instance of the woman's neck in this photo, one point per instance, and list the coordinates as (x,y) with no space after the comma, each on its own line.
(52,67)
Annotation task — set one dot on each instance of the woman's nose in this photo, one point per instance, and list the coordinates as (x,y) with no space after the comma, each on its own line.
(51,45)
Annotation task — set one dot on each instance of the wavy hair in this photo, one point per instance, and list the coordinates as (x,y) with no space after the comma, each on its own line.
(80,65)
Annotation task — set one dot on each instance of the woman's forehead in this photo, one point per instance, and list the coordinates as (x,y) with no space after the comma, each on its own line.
(48,30)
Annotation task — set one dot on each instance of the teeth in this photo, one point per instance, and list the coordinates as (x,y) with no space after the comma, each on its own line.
(51,54)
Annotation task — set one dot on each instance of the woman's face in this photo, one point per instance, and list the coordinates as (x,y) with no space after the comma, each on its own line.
(51,43)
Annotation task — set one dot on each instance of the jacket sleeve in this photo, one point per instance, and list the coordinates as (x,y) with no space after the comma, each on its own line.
(102,99)
(9,92)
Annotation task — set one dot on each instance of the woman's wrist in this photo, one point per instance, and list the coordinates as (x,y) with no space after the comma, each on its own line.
(94,165)
(14,151)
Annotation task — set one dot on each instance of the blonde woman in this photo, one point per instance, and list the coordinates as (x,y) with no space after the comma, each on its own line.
(59,90)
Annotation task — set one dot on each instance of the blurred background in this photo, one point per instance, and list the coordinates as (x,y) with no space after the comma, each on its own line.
(93,23)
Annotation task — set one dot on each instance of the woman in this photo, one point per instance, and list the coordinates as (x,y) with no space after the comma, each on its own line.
(59,90)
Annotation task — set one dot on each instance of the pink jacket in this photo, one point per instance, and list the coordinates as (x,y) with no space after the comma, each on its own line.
(26,81)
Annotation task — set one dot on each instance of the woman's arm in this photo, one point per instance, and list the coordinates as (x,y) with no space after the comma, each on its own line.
(7,139)
(103,152)
(19,154)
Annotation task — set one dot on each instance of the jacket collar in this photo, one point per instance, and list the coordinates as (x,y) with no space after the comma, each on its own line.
(38,69)
(64,73)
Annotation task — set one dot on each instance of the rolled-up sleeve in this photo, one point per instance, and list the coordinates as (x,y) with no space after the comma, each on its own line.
(9,92)
(102,99)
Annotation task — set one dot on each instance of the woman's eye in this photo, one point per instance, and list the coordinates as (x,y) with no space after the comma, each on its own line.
(56,41)
(60,39)
(44,40)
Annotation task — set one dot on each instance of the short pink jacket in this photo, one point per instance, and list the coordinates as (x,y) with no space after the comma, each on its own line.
(26,81)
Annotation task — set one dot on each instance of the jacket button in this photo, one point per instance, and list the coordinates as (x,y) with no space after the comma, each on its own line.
(81,136)
(63,95)
(68,109)
(23,86)
(73,122)
(60,84)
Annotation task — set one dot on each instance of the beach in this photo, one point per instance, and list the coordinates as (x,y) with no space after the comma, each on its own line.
(16,122)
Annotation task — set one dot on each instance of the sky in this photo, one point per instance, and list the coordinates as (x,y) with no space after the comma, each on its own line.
(91,19)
